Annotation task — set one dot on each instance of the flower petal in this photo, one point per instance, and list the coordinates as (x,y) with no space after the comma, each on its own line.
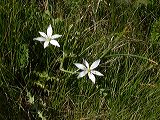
(55,36)
(54,42)
(82,74)
(43,34)
(91,76)
(49,31)
(40,39)
(46,43)
(80,66)
(86,63)
(95,64)
(96,73)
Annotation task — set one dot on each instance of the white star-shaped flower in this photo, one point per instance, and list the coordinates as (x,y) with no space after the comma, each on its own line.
(90,70)
(48,38)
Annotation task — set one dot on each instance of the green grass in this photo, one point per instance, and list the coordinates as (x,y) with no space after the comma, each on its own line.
(35,81)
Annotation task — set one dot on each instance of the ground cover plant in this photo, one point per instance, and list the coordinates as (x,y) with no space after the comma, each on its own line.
(39,79)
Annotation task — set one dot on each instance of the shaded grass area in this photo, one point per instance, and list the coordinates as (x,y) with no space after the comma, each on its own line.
(38,83)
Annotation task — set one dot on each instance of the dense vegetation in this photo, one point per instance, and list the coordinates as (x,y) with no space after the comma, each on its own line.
(38,83)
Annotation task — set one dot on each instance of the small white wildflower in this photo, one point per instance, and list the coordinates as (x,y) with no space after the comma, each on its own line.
(48,38)
(90,70)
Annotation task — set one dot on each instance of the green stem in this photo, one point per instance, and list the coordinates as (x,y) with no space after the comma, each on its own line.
(61,66)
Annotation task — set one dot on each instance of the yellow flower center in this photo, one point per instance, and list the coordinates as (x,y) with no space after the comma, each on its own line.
(48,39)
(89,70)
